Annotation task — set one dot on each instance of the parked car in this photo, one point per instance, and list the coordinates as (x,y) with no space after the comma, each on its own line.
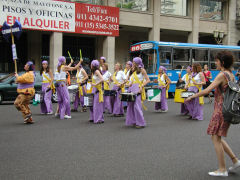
(8,87)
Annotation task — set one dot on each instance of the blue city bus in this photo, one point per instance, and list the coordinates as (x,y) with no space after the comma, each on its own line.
(174,56)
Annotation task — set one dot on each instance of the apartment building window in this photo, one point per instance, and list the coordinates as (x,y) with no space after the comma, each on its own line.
(97,2)
(211,9)
(174,7)
(136,5)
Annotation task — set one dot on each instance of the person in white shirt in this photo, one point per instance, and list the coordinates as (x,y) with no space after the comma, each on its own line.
(119,80)
(106,86)
(81,77)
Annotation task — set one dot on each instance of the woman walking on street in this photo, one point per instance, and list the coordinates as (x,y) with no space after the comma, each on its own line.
(218,128)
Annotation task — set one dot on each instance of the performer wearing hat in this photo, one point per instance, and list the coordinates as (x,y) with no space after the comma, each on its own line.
(195,83)
(185,78)
(119,79)
(96,112)
(106,77)
(25,91)
(163,84)
(47,88)
(82,77)
(138,80)
(62,91)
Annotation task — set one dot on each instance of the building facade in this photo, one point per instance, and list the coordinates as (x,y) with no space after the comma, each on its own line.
(192,21)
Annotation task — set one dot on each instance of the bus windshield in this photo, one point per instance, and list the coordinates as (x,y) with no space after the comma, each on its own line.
(149,58)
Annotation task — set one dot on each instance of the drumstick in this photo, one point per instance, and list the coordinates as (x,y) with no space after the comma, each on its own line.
(70,57)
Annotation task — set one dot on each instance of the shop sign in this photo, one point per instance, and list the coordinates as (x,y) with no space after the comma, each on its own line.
(50,15)
(98,20)
(140,47)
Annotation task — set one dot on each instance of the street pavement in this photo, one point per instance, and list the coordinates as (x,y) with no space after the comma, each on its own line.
(171,147)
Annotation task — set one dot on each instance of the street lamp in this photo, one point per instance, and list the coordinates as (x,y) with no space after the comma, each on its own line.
(218,36)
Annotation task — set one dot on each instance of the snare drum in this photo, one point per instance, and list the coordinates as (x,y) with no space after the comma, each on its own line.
(128,97)
(88,100)
(110,92)
(177,97)
(187,94)
(72,92)
(154,95)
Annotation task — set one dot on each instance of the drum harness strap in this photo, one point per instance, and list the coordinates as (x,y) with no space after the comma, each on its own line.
(143,93)
(161,83)
(99,88)
(116,82)
(49,81)
(80,87)
(201,100)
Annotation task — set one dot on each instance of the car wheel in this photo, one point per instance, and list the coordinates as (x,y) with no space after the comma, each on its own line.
(54,97)
(1,98)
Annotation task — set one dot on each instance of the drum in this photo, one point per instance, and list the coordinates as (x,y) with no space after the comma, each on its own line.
(88,100)
(72,92)
(154,95)
(128,97)
(178,98)
(187,94)
(110,92)
(89,88)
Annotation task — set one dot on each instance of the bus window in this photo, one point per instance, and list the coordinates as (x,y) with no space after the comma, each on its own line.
(165,56)
(200,56)
(181,57)
(213,53)
(236,55)
(149,58)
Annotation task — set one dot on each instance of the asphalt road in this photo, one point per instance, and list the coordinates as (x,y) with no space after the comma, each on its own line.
(171,147)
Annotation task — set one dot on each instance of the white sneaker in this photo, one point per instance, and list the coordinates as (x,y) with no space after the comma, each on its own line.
(235,166)
(56,114)
(164,110)
(67,117)
(50,113)
(218,173)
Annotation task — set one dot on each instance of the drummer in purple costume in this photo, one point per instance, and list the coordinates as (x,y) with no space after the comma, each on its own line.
(185,78)
(127,71)
(47,87)
(163,84)
(119,79)
(81,77)
(195,83)
(138,80)
(62,91)
(96,112)
(106,77)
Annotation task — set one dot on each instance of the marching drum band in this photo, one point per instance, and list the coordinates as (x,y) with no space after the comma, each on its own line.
(127,93)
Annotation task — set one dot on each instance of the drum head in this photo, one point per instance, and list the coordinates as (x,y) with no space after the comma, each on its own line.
(73,87)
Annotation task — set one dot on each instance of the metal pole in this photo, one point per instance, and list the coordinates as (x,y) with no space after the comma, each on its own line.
(15,61)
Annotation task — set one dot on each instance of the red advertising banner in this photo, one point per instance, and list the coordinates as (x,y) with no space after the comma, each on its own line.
(96,20)
(61,16)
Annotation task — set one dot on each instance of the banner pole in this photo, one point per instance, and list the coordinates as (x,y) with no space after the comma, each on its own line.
(15,61)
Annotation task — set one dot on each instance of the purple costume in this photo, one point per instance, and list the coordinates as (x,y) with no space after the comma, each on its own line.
(62,92)
(46,105)
(117,103)
(134,114)
(79,100)
(195,109)
(163,104)
(96,112)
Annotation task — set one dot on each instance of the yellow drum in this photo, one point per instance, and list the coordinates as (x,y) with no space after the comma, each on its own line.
(177,97)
